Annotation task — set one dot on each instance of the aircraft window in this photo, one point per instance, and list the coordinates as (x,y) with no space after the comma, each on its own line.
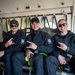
(51,25)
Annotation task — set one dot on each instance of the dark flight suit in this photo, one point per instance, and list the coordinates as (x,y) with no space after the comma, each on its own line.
(20,42)
(69,40)
(44,45)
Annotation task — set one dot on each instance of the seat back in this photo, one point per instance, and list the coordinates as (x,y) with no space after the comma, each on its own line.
(49,30)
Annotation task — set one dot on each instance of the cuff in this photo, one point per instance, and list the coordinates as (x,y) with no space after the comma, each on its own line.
(67,49)
(36,51)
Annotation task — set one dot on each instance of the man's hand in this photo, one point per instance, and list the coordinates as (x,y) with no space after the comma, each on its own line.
(9,42)
(1,53)
(28,52)
(62,46)
(32,45)
(62,60)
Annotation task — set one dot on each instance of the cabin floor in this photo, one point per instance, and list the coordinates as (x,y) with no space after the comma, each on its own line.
(58,73)
(26,72)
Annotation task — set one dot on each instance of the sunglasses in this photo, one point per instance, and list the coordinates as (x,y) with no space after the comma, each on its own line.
(14,26)
(60,25)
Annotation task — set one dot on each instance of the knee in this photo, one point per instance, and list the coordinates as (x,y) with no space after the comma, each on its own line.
(38,59)
(15,56)
(52,60)
(7,56)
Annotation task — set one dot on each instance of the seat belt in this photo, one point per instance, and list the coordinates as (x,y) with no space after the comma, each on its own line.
(21,22)
(54,19)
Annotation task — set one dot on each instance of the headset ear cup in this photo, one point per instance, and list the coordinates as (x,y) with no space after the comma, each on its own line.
(67,68)
(27,59)
(31,59)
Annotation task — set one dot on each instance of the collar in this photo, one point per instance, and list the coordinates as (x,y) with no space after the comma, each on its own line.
(35,33)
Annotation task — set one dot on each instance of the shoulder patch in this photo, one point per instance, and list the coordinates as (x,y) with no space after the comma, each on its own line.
(49,41)
(22,41)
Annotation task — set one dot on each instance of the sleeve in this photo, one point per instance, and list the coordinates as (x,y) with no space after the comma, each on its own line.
(27,44)
(2,46)
(5,38)
(71,48)
(19,46)
(47,47)
(55,52)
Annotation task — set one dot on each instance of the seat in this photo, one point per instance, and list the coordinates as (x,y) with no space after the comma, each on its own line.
(28,68)
(2,68)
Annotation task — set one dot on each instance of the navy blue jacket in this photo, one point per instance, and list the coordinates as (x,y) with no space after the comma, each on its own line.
(69,40)
(42,40)
(18,39)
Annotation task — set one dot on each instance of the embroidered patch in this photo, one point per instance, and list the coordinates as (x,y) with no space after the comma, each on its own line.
(22,41)
(49,41)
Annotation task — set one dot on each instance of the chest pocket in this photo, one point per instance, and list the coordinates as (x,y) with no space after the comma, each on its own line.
(39,40)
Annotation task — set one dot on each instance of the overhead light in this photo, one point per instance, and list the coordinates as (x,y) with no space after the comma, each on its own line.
(27,7)
(62,3)
(39,6)
(17,8)
(0,10)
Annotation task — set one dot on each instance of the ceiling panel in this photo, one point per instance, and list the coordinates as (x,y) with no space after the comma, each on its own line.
(9,6)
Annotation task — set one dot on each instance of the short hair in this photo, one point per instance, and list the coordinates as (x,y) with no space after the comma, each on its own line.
(35,19)
(61,20)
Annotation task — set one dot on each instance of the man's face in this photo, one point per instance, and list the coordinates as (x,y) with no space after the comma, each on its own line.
(35,26)
(62,26)
(14,28)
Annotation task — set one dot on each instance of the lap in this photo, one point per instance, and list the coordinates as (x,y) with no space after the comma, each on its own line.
(19,57)
(38,57)
(52,59)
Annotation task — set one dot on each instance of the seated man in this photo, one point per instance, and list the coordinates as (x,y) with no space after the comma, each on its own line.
(64,42)
(40,45)
(13,41)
